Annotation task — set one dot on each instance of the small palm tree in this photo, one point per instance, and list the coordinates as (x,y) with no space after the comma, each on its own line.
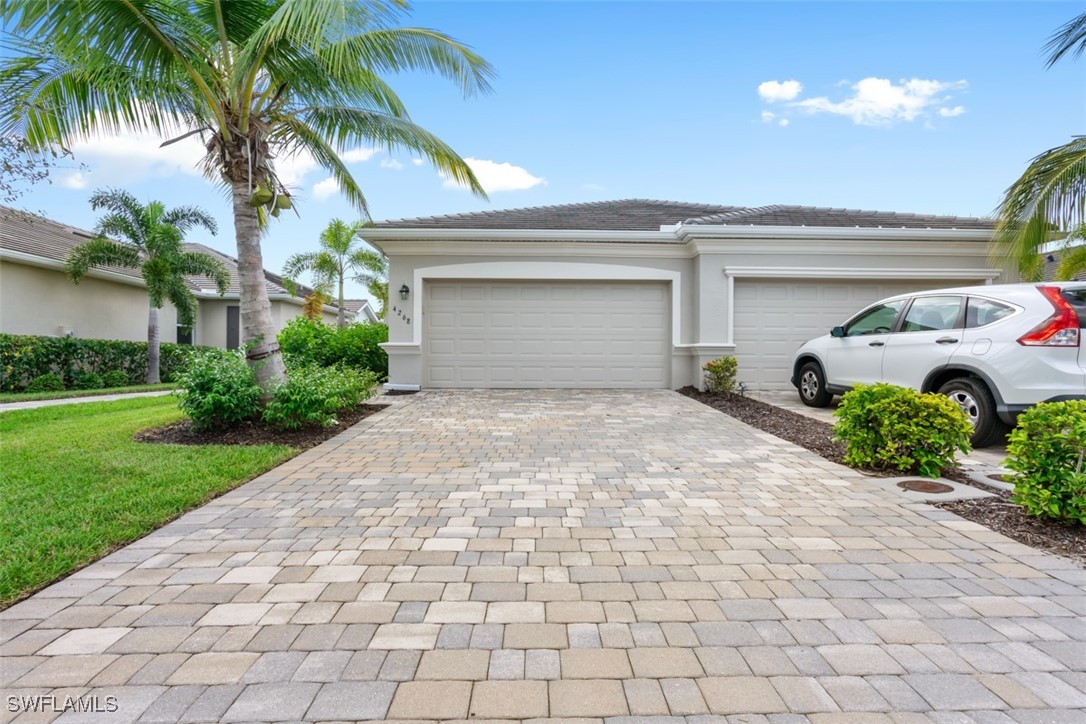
(1050,196)
(342,252)
(256,80)
(152,240)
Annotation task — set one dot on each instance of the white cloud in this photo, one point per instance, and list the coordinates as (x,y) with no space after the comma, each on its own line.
(293,169)
(392,164)
(496,177)
(128,157)
(880,102)
(324,189)
(358,155)
(951,112)
(416,162)
(783,122)
(768,116)
(773,91)
(73,180)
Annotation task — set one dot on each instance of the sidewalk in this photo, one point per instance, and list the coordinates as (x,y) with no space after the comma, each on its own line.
(30,405)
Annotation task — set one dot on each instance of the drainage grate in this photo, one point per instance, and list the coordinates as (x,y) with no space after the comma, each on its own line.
(925,486)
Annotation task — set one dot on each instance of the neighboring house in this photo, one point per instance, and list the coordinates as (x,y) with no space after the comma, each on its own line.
(360,310)
(36,297)
(641,293)
(1052,263)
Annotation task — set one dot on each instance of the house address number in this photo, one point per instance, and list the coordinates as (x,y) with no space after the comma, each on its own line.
(402,314)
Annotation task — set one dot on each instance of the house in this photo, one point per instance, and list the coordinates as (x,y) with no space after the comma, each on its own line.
(111,303)
(641,293)
(360,310)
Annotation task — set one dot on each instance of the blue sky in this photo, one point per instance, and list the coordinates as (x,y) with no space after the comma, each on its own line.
(927,107)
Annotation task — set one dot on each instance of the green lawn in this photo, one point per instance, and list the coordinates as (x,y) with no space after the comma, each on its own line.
(62,394)
(74,485)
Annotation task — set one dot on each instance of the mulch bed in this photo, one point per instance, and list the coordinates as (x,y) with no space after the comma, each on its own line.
(997,513)
(256,433)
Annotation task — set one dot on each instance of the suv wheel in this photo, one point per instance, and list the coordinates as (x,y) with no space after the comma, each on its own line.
(812,386)
(976,401)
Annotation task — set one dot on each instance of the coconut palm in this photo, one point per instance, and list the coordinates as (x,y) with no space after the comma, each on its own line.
(257,80)
(1050,196)
(342,252)
(151,239)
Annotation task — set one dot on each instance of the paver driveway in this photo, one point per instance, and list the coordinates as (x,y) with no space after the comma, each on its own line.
(512,555)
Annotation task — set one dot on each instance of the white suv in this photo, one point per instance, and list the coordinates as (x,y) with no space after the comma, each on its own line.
(995,350)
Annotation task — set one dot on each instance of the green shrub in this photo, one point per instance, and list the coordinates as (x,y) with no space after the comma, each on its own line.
(115,378)
(1046,452)
(217,390)
(46,383)
(886,427)
(720,374)
(87,381)
(313,396)
(23,357)
(306,342)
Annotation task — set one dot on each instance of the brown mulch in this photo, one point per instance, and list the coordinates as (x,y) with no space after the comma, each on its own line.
(997,513)
(256,432)
(398,393)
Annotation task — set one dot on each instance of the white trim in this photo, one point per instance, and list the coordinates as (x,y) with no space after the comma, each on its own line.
(400,347)
(401,388)
(545,271)
(860,273)
(707,348)
(726,231)
(413,234)
(670,249)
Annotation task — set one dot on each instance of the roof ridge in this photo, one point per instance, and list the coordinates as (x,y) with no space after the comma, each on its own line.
(550,207)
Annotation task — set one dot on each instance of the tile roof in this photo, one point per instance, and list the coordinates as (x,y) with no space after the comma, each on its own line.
(624,215)
(36,235)
(787,215)
(649,215)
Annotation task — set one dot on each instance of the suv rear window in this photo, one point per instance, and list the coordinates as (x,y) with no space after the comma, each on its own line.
(982,312)
(1076,297)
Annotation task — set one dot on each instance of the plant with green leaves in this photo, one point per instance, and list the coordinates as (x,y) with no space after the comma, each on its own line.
(342,253)
(886,427)
(217,390)
(1050,196)
(1047,452)
(152,241)
(257,80)
(308,342)
(720,374)
(313,395)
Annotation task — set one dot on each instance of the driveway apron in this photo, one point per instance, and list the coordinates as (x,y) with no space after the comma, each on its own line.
(558,554)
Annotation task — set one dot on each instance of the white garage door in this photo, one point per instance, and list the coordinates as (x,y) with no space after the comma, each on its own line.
(774,317)
(546,334)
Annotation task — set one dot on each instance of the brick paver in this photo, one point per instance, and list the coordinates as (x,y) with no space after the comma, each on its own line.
(560,554)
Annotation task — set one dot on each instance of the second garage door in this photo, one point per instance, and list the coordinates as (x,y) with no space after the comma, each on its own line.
(773,318)
(546,334)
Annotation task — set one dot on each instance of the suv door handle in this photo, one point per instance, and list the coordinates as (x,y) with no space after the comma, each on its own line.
(875,344)
(945,340)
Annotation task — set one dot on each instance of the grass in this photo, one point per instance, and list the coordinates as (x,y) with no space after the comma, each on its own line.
(74,485)
(62,394)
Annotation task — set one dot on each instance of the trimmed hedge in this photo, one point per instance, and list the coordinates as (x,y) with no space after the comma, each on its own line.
(24,357)
(307,343)
(1047,452)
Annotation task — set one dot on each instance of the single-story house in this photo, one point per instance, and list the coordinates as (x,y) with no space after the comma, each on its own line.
(360,310)
(37,298)
(641,293)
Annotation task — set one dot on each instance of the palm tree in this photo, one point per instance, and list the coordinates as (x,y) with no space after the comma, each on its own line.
(153,242)
(375,277)
(1050,196)
(341,253)
(255,79)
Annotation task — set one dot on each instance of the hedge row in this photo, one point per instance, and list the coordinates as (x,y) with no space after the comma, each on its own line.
(22,358)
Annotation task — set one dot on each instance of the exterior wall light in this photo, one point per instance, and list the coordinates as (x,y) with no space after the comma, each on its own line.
(404,291)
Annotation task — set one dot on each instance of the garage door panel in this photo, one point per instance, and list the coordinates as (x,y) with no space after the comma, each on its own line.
(546,334)
(773,318)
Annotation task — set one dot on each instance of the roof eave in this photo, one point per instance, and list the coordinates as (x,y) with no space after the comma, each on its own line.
(854,233)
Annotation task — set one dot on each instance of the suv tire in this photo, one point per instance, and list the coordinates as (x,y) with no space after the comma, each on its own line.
(812,386)
(976,401)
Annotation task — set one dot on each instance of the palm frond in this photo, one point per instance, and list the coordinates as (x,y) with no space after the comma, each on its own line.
(183,300)
(1050,196)
(185,218)
(99,252)
(1069,39)
(194,263)
(351,127)
(295,134)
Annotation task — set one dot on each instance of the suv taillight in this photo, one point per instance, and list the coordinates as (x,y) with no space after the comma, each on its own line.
(1059,330)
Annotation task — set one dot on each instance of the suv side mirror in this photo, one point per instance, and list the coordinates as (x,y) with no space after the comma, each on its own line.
(837,332)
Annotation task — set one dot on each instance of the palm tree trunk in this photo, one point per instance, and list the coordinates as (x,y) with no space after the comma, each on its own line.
(257,328)
(341,318)
(152,346)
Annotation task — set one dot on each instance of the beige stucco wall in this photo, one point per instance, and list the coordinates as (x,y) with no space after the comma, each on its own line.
(701,271)
(40,301)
